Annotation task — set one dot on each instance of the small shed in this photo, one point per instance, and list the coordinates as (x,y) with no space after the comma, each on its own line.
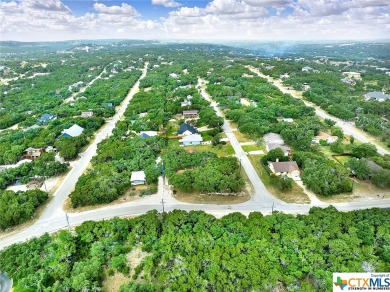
(138,178)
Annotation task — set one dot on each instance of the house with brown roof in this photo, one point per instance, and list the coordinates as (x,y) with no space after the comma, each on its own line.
(190,114)
(287,168)
(33,153)
(87,114)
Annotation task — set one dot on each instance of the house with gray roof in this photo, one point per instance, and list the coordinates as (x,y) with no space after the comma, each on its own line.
(186,129)
(46,118)
(286,150)
(377,95)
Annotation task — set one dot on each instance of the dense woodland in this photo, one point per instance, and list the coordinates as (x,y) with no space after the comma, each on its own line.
(196,252)
(340,99)
(157,107)
(18,207)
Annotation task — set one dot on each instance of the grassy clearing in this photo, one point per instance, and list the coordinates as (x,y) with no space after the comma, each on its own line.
(296,195)
(248,148)
(220,150)
(343,159)
(206,136)
(242,137)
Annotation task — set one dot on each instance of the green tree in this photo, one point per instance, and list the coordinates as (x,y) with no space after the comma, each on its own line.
(382,178)
(359,167)
(364,150)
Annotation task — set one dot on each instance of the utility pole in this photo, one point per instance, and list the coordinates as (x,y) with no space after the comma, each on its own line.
(273,203)
(162,203)
(67,220)
(44,183)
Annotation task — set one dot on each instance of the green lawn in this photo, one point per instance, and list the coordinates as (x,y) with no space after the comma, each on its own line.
(220,150)
(248,148)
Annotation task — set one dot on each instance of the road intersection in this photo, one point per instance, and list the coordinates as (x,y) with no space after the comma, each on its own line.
(54,217)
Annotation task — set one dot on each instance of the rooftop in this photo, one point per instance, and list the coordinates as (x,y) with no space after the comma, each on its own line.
(137,175)
(378,95)
(192,138)
(286,166)
(73,131)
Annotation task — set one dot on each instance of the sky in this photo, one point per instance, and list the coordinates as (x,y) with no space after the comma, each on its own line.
(257,20)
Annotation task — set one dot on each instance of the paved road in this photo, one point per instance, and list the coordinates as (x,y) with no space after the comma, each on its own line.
(54,218)
(348,128)
(54,208)
(5,283)
(261,195)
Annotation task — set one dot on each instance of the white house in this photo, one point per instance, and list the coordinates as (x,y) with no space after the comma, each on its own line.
(326,137)
(307,69)
(194,139)
(138,178)
(73,131)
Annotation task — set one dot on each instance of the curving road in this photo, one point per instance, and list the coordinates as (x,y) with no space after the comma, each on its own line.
(54,218)
(348,128)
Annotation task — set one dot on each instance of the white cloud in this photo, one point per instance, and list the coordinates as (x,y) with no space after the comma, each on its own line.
(219,19)
(124,9)
(166,3)
(299,19)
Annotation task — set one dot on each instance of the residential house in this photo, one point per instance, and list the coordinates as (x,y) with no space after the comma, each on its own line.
(186,103)
(87,114)
(138,178)
(51,149)
(73,131)
(286,150)
(186,130)
(33,153)
(273,138)
(377,95)
(348,81)
(147,134)
(355,75)
(190,114)
(46,118)
(307,69)
(194,139)
(287,168)
(373,166)
(174,75)
(326,137)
